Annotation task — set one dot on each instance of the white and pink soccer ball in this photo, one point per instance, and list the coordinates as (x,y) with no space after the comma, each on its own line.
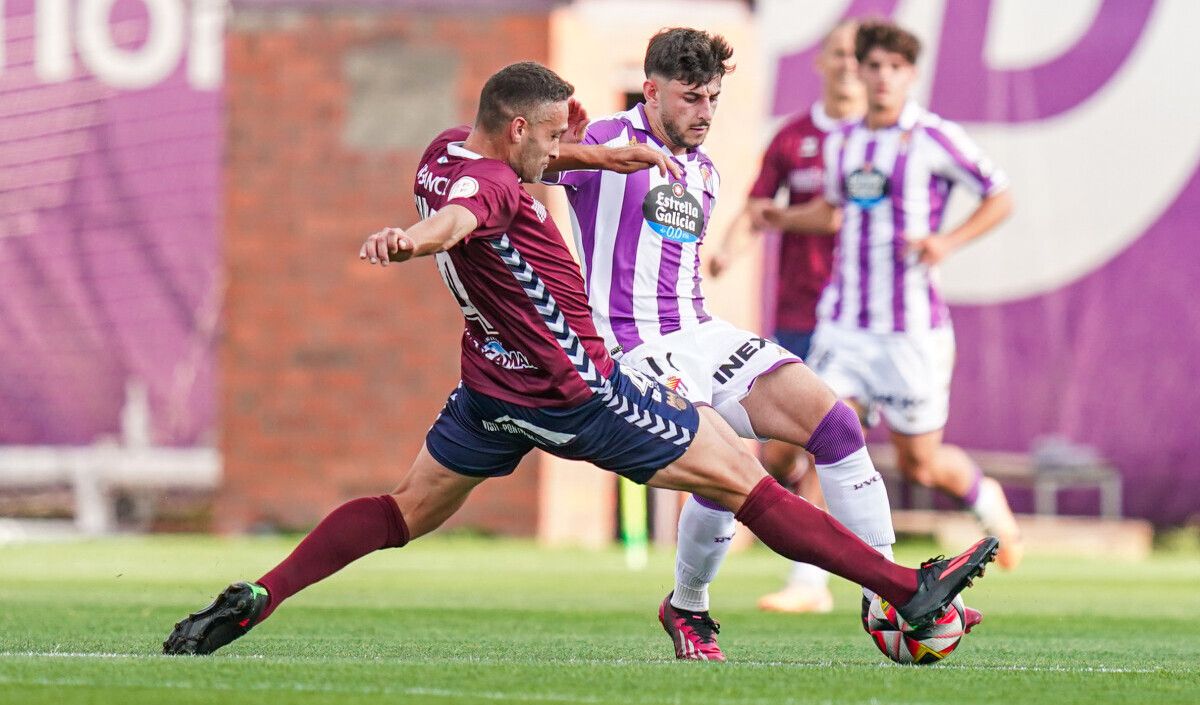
(904,645)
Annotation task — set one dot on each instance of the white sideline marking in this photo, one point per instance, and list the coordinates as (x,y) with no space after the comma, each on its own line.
(301,687)
(588,662)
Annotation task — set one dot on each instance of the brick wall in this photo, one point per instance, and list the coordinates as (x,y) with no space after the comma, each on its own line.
(332,370)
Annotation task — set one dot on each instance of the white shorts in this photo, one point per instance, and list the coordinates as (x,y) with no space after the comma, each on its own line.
(906,376)
(713,363)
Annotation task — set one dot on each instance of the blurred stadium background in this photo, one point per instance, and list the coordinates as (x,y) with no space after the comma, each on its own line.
(188,341)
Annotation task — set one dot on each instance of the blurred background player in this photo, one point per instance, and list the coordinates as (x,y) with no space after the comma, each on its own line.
(639,237)
(803,260)
(884,338)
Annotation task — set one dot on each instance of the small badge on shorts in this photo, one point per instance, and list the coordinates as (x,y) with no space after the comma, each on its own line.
(675,384)
(867,186)
(676,401)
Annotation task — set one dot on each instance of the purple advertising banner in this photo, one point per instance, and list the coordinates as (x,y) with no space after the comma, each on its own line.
(109,166)
(1074,319)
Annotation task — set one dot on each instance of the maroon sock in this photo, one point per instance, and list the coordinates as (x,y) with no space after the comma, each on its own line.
(346,534)
(795,529)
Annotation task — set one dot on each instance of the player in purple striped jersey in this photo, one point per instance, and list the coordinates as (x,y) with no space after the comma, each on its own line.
(884,338)
(536,375)
(639,236)
(801,264)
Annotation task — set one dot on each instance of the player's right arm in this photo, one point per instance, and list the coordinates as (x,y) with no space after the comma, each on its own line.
(623,160)
(437,233)
(817,217)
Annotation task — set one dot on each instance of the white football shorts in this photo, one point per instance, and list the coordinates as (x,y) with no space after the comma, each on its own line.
(905,376)
(714,363)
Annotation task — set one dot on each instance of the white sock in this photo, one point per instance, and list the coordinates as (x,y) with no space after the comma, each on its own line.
(807,575)
(856,496)
(705,535)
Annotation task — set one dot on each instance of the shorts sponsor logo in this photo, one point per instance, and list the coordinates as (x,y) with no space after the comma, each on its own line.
(898,401)
(465,187)
(738,359)
(519,427)
(673,213)
(495,351)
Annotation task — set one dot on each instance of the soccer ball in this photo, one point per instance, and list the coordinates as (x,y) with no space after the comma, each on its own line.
(901,644)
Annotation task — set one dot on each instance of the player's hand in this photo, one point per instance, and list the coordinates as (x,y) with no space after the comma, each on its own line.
(774,217)
(389,244)
(635,157)
(719,263)
(929,249)
(577,122)
(757,211)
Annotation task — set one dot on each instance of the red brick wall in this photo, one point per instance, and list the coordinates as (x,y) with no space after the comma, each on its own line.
(332,370)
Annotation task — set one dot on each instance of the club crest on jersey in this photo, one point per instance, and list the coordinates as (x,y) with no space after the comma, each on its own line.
(809,146)
(494,351)
(673,213)
(867,186)
(706,175)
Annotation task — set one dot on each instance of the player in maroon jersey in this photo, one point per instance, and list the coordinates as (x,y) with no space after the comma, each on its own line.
(535,374)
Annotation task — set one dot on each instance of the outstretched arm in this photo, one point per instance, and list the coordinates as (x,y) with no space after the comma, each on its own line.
(623,160)
(437,233)
(575,154)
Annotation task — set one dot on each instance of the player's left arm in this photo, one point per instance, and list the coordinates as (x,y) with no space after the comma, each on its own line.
(437,233)
(990,212)
(963,162)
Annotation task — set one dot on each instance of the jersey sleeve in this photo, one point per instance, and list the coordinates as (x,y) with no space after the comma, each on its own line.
(771,172)
(962,161)
(491,195)
(600,132)
(832,155)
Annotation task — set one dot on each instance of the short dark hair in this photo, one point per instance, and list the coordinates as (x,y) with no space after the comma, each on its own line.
(517,90)
(688,55)
(888,36)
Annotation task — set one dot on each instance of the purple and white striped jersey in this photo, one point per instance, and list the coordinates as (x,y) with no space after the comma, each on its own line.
(893,185)
(638,236)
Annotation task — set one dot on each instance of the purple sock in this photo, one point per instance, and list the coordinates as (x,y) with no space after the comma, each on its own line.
(839,434)
(708,504)
(972,494)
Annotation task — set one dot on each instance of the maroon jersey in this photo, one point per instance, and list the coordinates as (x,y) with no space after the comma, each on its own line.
(794,159)
(529,337)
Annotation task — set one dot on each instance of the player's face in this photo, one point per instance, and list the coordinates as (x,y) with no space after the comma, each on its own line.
(685,112)
(539,141)
(836,62)
(888,77)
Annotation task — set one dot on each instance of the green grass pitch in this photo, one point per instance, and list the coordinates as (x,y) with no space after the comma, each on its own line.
(468,620)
